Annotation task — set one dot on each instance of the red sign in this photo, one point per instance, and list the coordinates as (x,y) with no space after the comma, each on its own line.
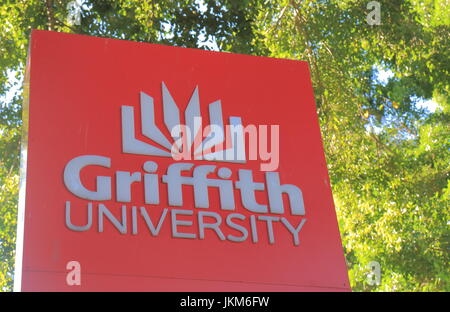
(155,168)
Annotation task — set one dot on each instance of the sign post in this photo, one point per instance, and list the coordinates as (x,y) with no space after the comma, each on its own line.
(155,168)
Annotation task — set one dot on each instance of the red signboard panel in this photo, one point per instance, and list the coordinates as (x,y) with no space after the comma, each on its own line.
(102,193)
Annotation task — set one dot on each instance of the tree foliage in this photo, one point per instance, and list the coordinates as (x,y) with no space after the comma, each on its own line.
(388,157)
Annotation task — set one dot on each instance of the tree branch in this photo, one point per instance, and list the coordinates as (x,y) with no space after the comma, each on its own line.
(50,14)
(300,22)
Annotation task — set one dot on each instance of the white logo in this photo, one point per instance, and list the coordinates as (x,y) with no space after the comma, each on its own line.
(374,16)
(374,276)
(200,144)
(186,142)
(74,9)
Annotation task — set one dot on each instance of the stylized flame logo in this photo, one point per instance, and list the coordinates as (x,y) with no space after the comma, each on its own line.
(186,139)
